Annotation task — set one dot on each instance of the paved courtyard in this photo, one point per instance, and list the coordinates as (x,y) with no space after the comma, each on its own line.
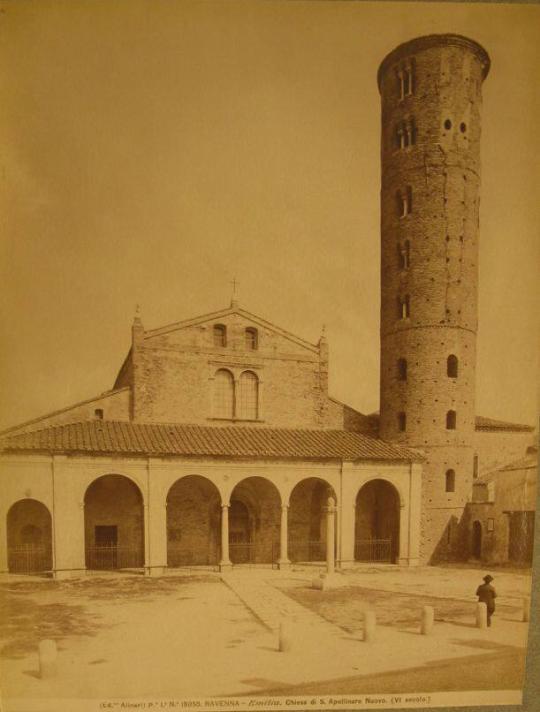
(199,635)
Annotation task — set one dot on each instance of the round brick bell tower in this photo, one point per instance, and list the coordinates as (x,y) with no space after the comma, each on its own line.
(430,153)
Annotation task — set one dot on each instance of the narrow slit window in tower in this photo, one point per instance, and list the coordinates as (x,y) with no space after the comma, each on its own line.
(451,420)
(475,467)
(452,366)
(402,369)
(450,481)
(402,421)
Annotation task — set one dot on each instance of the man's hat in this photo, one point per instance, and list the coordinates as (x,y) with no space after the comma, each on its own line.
(488,578)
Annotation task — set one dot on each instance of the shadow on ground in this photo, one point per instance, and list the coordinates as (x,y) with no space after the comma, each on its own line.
(33,610)
(345,606)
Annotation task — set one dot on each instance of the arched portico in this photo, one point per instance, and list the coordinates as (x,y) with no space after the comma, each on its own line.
(29,537)
(377,522)
(193,522)
(113,524)
(254,521)
(307,519)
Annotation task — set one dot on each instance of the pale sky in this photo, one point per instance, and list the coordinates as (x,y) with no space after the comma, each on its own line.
(153,150)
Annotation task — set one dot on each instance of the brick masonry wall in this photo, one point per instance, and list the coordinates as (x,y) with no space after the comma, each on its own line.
(174,372)
(441,171)
(193,522)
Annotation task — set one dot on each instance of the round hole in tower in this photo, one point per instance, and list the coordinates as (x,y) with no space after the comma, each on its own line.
(463,127)
(448,124)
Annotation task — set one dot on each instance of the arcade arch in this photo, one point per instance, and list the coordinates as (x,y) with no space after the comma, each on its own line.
(113,524)
(29,537)
(377,515)
(307,519)
(254,521)
(193,522)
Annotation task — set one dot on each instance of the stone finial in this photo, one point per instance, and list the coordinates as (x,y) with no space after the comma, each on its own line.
(234,300)
(137,318)
(137,329)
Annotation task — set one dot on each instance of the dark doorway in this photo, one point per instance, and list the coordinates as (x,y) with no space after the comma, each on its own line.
(106,543)
(377,523)
(477,540)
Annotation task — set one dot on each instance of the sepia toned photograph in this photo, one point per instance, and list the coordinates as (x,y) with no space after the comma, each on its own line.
(270,354)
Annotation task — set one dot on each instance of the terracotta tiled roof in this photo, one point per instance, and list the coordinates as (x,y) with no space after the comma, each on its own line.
(106,436)
(492,424)
(481,423)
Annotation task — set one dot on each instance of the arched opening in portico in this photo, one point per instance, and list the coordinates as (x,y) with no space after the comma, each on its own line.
(29,537)
(307,519)
(377,522)
(254,522)
(193,522)
(113,524)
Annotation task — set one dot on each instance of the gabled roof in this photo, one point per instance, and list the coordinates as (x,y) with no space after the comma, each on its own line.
(115,437)
(53,413)
(233,309)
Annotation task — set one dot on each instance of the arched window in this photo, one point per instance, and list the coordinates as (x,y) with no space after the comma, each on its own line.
(403,255)
(404,201)
(249,396)
(451,420)
(402,369)
(452,366)
(223,394)
(402,421)
(252,339)
(220,335)
(450,481)
(404,311)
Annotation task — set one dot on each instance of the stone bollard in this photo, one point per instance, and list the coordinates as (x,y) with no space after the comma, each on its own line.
(285,638)
(369,626)
(526,608)
(481,615)
(428,617)
(47,658)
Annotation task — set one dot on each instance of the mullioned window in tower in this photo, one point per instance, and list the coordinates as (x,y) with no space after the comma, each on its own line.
(405,135)
(405,77)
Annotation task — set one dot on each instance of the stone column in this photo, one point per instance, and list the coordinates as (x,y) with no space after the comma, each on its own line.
(330,536)
(225,562)
(404,517)
(283,561)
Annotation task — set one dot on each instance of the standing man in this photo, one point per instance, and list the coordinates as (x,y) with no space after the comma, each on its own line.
(487,594)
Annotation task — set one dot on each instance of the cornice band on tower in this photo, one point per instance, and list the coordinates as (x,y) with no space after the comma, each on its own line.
(427,42)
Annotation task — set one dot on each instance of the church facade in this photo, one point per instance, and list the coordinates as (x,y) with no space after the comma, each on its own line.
(219,443)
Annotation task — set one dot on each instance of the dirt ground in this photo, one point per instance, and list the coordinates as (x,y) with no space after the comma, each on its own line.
(125,635)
